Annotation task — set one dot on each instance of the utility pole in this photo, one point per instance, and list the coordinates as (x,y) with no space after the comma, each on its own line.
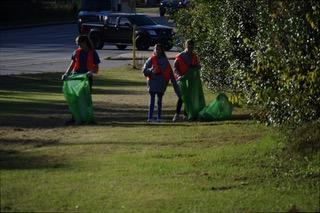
(134,46)
(132,5)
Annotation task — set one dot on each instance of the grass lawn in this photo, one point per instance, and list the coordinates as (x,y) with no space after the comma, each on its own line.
(149,10)
(124,164)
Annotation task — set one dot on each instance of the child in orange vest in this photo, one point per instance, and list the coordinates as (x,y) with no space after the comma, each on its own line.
(158,71)
(84,60)
(184,60)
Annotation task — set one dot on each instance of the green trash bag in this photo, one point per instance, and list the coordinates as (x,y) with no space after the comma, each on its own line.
(192,93)
(219,109)
(77,93)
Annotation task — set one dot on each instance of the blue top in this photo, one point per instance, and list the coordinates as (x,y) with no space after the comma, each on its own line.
(158,83)
(83,60)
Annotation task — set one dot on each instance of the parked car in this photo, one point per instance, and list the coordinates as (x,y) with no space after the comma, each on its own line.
(93,11)
(171,6)
(91,16)
(117,29)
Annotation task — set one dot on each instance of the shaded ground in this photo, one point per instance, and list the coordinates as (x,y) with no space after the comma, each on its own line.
(37,101)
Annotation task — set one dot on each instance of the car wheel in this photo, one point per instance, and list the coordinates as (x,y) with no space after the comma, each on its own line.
(142,42)
(162,11)
(121,46)
(96,40)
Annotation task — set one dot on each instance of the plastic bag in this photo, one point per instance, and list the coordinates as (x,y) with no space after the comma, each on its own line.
(192,93)
(219,109)
(77,93)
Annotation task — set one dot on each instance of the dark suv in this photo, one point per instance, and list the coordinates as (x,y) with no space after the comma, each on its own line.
(117,29)
(171,6)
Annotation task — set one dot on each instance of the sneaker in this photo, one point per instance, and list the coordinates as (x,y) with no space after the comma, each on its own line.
(178,117)
(92,122)
(159,120)
(70,122)
(150,120)
(175,117)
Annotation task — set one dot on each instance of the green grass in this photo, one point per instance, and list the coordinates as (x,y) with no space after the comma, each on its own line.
(125,165)
(150,10)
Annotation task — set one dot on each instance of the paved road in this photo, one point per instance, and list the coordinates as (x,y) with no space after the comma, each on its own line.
(48,49)
(43,49)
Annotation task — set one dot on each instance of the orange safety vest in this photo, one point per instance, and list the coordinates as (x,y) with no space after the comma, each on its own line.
(155,65)
(90,65)
(183,67)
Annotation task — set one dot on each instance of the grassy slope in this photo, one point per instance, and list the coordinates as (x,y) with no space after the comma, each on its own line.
(125,165)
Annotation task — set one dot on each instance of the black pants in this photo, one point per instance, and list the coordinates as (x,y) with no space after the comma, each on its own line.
(179,105)
(90,82)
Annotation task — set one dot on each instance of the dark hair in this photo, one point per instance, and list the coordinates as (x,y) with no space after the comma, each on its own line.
(85,39)
(189,42)
(161,48)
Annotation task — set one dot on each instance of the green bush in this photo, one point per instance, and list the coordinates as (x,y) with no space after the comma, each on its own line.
(266,52)
(286,61)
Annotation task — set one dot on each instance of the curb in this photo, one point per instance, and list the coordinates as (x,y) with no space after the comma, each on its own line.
(142,55)
(116,58)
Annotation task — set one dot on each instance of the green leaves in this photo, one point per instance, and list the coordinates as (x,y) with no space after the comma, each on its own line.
(266,51)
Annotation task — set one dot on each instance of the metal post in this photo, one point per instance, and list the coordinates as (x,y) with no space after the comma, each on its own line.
(134,46)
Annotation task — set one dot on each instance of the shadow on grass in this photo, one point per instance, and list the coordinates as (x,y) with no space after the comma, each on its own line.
(98,91)
(28,142)
(13,159)
(229,187)
(25,102)
(49,83)
(55,113)
(117,82)
(122,143)
(13,155)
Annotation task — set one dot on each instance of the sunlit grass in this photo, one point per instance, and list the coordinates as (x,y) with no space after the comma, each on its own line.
(152,10)
(124,164)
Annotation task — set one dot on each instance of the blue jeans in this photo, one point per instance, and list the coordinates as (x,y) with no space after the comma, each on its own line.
(151,104)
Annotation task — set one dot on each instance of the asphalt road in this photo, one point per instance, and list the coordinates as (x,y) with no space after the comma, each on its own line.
(49,48)
(44,49)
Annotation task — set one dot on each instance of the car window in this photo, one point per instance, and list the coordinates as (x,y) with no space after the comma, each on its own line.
(141,20)
(124,21)
(112,20)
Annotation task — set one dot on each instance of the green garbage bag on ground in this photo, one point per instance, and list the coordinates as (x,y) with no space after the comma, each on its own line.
(77,93)
(192,93)
(219,109)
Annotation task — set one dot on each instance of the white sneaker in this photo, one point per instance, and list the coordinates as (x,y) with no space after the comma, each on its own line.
(178,117)
(175,117)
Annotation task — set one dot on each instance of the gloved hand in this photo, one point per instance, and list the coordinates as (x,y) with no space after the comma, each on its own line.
(156,72)
(89,74)
(153,70)
(64,77)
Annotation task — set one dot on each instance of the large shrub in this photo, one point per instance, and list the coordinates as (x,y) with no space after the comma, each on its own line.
(265,51)
(286,59)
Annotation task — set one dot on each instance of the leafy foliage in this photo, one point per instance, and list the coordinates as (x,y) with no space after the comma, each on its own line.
(267,52)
